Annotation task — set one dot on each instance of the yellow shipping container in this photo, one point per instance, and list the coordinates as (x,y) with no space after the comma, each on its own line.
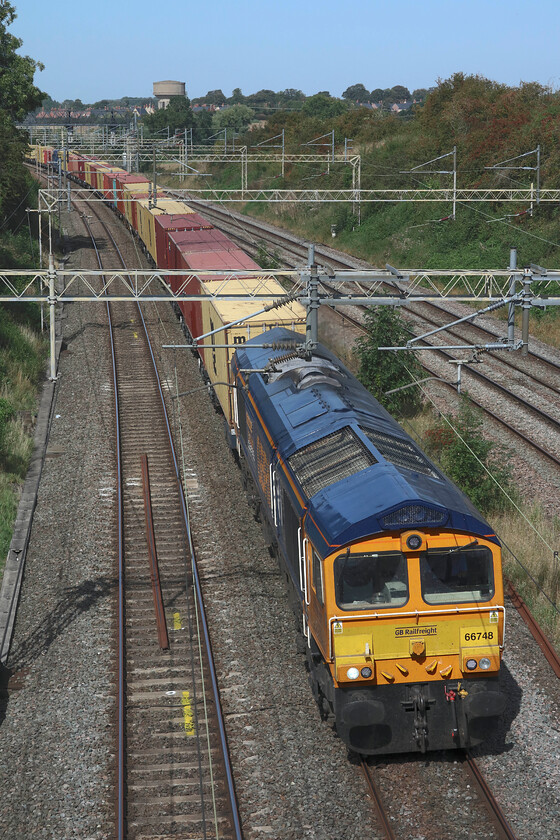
(146,224)
(220,313)
(88,172)
(132,192)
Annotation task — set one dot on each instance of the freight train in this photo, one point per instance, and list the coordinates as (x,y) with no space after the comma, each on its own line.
(395,577)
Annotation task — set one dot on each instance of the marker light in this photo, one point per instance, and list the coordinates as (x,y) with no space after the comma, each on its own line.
(366,672)
(352,673)
(471,664)
(414,542)
(484,663)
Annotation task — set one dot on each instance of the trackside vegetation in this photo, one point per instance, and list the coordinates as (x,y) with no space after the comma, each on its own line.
(22,349)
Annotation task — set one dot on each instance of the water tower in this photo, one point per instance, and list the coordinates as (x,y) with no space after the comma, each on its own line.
(163,91)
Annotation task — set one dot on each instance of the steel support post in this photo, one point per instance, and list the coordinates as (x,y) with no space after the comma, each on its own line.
(52,318)
(454,180)
(511,306)
(539,174)
(526,307)
(312,317)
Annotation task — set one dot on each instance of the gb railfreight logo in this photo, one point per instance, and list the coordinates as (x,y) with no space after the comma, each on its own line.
(416,631)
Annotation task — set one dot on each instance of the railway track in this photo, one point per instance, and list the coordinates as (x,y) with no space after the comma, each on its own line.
(193,490)
(173,767)
(517,416)
(490,815)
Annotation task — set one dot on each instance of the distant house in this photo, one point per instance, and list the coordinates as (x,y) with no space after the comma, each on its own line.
(398,107)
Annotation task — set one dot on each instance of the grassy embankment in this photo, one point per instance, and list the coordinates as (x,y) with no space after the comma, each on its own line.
(22,355)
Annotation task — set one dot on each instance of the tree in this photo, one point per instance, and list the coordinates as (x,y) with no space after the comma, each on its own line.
(202,129)
(236,117)
(237,97)
(263,97)
(382,370)
(420,94)
(178,115)
(322,105)
(356,93)
(215,97)
(400,93)
(18,94)
(292,94)
(376,95)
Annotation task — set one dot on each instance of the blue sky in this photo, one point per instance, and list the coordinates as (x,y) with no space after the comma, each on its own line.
(114,48)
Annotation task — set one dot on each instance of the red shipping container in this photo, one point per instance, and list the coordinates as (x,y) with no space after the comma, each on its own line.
(166,224)
(125,178)
(195,259)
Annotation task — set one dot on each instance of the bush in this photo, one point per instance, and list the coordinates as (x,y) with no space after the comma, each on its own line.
(382,370)
(6,414)
(466,458)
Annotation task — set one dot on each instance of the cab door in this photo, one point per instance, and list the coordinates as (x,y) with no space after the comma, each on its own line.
(316,611)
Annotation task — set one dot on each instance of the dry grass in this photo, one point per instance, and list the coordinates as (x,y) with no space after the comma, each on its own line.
(531,564)
(530,539)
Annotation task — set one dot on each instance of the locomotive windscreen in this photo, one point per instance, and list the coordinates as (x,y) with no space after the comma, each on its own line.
(450,576)
(371,580)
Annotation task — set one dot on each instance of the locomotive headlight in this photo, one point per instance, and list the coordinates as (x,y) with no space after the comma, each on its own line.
(414,541)
(471,664)
(352,673)
(484,663)
(366,672)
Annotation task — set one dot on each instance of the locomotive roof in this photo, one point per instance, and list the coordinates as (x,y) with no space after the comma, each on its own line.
(372,477)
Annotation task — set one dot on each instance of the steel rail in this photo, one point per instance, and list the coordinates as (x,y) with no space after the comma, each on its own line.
(163,637)
(215,689)
(505,831)
(546,646)
(295,246)
(377,800)
(121,755)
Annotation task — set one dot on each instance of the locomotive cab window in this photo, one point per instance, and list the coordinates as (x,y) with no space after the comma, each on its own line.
(451,575)
(371,580)
(318,577)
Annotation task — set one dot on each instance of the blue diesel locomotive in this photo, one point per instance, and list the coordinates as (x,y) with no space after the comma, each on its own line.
(396,576)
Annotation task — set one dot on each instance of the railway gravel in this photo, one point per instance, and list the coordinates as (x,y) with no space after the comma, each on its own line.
(56,737)
(293,776)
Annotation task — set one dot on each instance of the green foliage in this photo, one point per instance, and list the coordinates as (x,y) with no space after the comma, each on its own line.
(178,115)
(266,258)
(6,414)
(383,370)
(8,511)
(18,94)
(236,117)
(322,105)
(466,457)
(356,93)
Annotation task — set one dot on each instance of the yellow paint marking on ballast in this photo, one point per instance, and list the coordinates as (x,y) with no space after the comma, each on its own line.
(177,625)
(188,721)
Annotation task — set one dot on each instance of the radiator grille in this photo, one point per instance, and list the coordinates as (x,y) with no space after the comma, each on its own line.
(401,453)
(323,462)
(414,516)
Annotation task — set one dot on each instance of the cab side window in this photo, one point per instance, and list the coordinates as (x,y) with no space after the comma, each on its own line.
(318,577)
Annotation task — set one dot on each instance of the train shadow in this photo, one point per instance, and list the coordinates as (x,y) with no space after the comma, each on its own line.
(74,602)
